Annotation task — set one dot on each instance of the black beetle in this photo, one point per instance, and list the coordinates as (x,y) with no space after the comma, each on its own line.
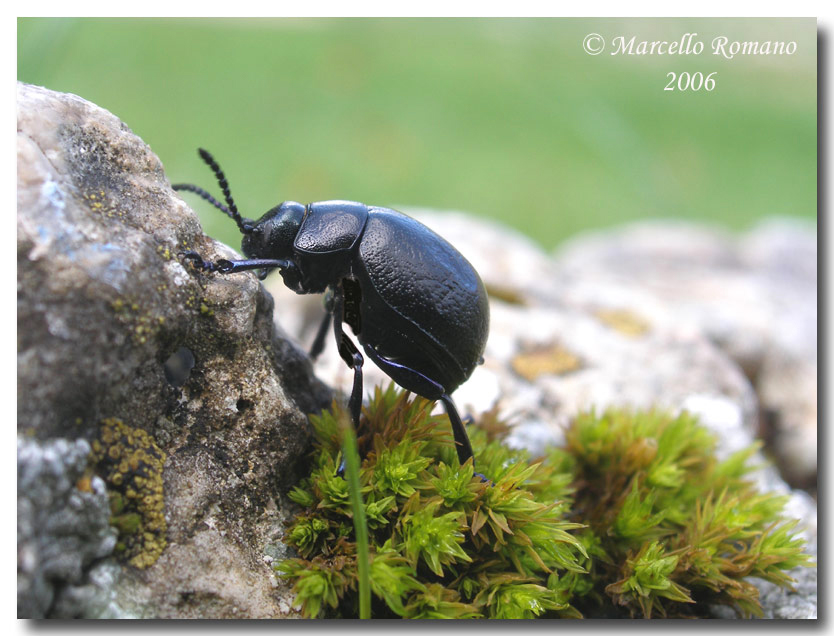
(416,305)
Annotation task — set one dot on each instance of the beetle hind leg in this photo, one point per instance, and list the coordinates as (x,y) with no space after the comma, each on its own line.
(355,401)
(462,444)
(428,388)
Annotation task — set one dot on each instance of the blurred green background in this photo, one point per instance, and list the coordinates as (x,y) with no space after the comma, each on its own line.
(504,118)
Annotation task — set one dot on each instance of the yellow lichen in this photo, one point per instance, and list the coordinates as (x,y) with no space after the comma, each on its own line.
(624,321)
(98,202)
(143,324)
(506,294)
(84,483)
(131,463)
(548,360)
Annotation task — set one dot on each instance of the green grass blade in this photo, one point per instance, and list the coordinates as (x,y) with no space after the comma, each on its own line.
(360,524)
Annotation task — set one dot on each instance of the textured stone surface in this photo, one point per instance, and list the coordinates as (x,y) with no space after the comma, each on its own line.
(103,303)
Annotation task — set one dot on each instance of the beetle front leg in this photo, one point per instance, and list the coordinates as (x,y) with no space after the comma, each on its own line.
(225,266)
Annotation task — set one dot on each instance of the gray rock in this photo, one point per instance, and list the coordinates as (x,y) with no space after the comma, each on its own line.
(61,528)
(800,602)
(103,304)
(96,597)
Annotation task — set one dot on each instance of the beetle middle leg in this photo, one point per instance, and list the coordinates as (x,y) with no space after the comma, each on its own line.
(356,363)
(350,354)
(321,335)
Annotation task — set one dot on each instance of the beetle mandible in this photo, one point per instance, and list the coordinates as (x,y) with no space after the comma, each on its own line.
(416,305)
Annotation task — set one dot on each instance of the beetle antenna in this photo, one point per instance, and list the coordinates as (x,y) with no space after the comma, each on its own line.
(205,195)
(231,210)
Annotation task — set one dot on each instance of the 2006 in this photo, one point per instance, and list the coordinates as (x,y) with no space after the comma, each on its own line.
(690,81)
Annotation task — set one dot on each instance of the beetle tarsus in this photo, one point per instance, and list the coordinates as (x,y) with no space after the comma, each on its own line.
(355,402)
(197,261)
(462,444)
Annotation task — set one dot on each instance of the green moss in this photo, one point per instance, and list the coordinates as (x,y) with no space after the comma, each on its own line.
(672,528)
(131,463)
(633,517)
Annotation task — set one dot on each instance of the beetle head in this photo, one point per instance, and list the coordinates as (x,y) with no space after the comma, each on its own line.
(272,236)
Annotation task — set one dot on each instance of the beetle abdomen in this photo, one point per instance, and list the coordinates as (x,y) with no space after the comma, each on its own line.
(425,283)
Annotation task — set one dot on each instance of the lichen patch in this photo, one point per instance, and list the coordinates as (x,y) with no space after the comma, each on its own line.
(553,359)
(131,463)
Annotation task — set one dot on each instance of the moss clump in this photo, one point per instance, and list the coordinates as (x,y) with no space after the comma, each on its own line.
(131,463)
(670,528)
(634,517)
